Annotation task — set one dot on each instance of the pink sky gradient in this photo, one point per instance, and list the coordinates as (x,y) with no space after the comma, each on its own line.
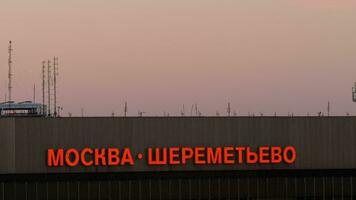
(262,56)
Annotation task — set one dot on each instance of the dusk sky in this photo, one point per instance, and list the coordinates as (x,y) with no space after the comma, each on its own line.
(261,55)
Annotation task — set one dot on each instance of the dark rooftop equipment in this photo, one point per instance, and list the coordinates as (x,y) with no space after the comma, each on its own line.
(354,93)
(22,109)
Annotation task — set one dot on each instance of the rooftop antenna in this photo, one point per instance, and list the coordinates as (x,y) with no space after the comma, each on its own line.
(328,108)
(49,86)
(182,112)
(125,109)
(55,73)
(140,113)
(228,109)
(43,86)
(34,93)
(354,93)
(58,112)
(200,113)
(196,110)
(10,72)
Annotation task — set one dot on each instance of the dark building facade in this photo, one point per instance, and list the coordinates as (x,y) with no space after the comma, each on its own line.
(323,167)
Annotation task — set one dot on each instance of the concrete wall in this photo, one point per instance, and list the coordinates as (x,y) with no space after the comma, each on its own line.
(7,145)
(321,142)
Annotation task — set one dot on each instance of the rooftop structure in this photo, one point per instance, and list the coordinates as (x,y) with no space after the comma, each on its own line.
(21,109)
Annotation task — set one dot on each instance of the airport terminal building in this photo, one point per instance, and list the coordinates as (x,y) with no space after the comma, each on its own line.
(177,158)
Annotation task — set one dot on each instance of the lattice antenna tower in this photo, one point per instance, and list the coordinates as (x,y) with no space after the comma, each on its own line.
(55,74)
(10,71)
(49,86)
(43,86)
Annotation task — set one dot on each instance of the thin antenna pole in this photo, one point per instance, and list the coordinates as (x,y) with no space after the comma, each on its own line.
(228,109)
(328,108)
(49,86)
(125,109)
(34,93)
(43,86)
(183,111)
(140,113)
(354,93)
(55,65)
(59,111)
(10,72)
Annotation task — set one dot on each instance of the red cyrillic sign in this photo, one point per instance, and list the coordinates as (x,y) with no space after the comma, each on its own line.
(158,156)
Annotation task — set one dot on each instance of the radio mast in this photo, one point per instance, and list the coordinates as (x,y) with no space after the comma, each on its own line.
(43,86)
(55,73)
(10,73)
(49,86)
